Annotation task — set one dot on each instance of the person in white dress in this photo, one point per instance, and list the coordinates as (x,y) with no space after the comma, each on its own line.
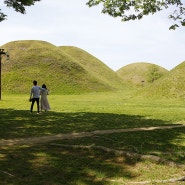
(44,100)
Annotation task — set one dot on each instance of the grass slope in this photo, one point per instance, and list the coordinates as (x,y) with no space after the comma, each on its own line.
(61,163)
(63,74)
(141,73)
(171,85)
(94,66)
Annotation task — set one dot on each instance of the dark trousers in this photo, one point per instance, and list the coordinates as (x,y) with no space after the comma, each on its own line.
(33,102)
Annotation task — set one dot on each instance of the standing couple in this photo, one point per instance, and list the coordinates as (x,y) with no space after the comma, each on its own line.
(36,92)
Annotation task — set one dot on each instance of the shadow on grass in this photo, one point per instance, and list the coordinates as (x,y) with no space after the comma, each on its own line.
(55,165)
(46,165)
(20,123)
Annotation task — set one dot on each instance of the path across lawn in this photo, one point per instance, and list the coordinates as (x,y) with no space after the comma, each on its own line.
(44,139)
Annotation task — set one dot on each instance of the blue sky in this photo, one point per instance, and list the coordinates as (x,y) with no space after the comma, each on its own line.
(115,43)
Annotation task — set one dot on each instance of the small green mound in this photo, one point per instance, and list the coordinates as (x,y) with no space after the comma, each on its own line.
(141,73)
(171,85)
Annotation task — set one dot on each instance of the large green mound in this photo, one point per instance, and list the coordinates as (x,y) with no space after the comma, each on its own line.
(94,66)
(64,70)
(141,73)
(172,85)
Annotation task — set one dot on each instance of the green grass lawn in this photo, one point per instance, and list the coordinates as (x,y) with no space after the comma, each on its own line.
(59,163)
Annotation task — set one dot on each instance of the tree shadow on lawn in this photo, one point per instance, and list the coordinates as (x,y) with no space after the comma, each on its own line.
(49,165)
(20,123)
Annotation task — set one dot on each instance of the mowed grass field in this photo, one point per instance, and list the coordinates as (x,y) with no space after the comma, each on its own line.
(109,159)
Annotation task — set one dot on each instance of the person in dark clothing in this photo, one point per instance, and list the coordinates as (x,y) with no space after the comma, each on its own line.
(35,96)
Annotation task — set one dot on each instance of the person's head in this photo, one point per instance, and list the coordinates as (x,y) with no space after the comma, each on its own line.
(34,82)
(44,86)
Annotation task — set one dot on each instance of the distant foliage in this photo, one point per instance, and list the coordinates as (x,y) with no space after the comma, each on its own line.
(154,73)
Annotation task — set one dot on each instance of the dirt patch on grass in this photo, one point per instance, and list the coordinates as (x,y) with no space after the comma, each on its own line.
(44,139)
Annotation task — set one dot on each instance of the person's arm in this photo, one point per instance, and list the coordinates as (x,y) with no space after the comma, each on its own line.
(40,88)
(31,93)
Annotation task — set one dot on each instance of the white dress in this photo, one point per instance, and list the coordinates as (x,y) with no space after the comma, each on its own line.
(44,100)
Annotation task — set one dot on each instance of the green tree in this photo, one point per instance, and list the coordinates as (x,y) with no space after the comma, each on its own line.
(154,74)
(137,9)
(17,5)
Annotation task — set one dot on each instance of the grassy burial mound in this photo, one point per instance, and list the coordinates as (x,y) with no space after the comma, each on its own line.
(141,73)
(172,85)
(52,65)
(94,66)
